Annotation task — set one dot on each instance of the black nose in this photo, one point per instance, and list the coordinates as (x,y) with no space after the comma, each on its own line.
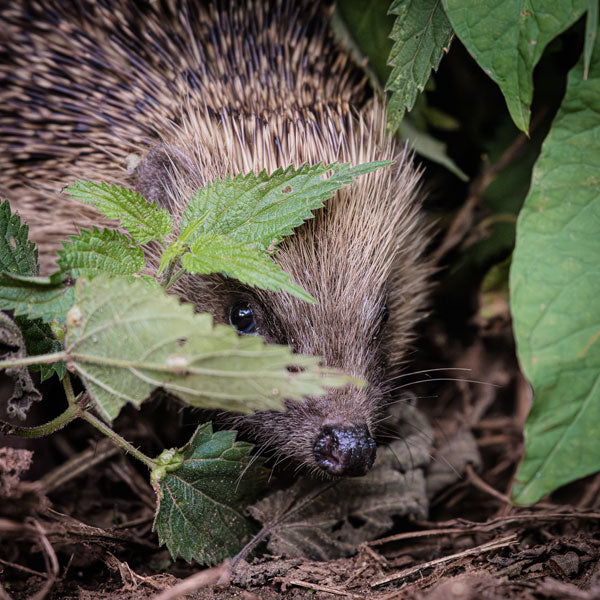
(344,450)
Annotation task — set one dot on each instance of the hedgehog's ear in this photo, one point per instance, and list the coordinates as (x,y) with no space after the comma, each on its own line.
(157,174)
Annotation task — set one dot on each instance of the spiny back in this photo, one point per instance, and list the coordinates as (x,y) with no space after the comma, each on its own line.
(84,84)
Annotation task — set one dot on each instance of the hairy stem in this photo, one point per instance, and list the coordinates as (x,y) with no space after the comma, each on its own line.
(73,411)
(41,359)
(117,439)
(165,280)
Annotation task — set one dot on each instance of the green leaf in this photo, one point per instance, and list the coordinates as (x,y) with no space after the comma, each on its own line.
(201,503)
(364,30)
(555,286)
(421,35)
(217,254)
(145,221)
(35,297)
(40,340)
(94,252)
(507,39)
(17,254)
(125,339)
(262,209)
(427,146)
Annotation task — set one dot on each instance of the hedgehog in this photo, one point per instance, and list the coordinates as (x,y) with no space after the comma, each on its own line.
(193,92)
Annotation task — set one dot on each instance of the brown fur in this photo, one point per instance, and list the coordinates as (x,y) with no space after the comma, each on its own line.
(199,93)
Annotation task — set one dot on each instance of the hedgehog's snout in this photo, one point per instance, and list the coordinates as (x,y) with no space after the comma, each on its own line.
(344,450)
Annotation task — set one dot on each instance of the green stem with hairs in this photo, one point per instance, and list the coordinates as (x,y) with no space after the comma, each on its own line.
(117,439)
(40,359)
(72,412)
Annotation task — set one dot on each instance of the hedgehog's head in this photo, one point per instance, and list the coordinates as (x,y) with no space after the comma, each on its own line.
(361,258)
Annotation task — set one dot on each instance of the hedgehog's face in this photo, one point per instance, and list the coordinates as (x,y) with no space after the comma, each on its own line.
(359,255)
(331,434)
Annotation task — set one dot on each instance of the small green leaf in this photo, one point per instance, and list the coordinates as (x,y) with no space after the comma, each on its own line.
(35,297)
(246,263)
(125,339)
(201,503)
(263,208)
(555,287)
(94,252)
(421,35)
(40,340)
(145,221)
(429,147)
(507,39)
(17,254)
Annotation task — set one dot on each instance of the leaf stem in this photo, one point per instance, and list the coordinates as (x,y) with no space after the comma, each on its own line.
(40,359)
(165,280)
(174,278)
(117,439)
(73,411)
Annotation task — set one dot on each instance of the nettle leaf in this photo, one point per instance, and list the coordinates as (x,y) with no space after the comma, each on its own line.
(125,339)
(39,339)
(555,286)
(201,499)
(35,297)
(507,39)
(264,208)
(17,254)
(421,35)
(244,262)
(94,252)
(145,221)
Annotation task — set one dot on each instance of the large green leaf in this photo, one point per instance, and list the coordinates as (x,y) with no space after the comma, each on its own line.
(421,34)
(125,339)
(555,292)
(244,262)
(202,495)
(264,208)
(145,221)
(507,39)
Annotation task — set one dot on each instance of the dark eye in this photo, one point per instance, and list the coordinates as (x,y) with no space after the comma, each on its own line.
(241,316)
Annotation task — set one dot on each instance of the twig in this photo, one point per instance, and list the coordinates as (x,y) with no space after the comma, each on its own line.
(471,527)
(218,574)
(51,561)
(319,588)
(462,221)
(77,465)
(484,486)
(494,545)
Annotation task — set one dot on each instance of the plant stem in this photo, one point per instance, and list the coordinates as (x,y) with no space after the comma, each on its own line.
(165,280)
(117,439)
(69,393)
(41,359)
(174,278)
(73,411)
